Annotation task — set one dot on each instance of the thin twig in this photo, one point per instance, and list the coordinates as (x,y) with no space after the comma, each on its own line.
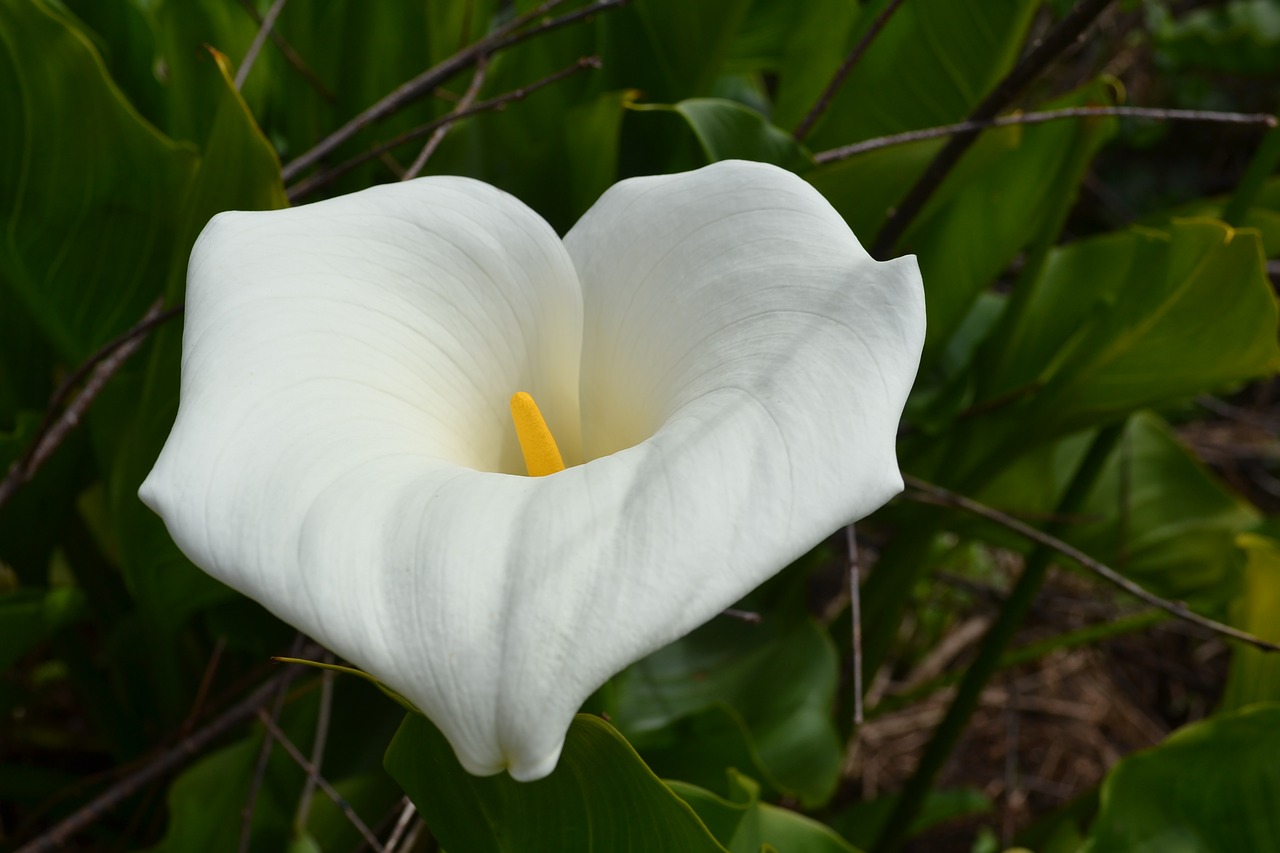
(164,763)
(206,681)
(402,823)
(929,493)
(828,94)
(505,36)
(310,769)
(99,368)
(264,755)
(317,745)
(499,102)
(468,98)
(251,56)
(1061,37)
(748,616)
(411,840)
(291,56)
(1156,113)
(855,611)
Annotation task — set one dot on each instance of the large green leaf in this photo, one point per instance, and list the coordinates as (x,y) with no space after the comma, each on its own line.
(1123,321)
(1155,513)
(670,49)
(932,63)
(1255,674)
(862,823)
(1212,787)
(743,824)
(238,171)
(89,217)
(815,47)
(1015,197)
(792,736)
(600,798)
(727,130)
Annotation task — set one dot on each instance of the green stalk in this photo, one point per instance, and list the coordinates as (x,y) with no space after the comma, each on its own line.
(1260,168)
(991,651)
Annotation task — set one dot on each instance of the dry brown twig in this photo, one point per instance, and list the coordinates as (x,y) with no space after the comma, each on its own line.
(498,102)
(842,73)
(1155,113)
(927,492)
(251,55)
(1055,42)
(506,36)
(464,103)
(185,750)
(276,733)
(96,371)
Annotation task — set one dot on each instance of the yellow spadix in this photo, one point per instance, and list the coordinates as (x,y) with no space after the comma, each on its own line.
(541,455)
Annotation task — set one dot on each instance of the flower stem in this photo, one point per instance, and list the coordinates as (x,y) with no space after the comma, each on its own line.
(992,650)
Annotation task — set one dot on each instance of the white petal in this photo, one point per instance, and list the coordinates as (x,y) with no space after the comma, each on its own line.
(340,359)
(744,364)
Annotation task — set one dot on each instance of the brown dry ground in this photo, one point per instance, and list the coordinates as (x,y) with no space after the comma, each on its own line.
(1047,732)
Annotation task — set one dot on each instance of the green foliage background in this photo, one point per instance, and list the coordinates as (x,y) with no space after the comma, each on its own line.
(122,132)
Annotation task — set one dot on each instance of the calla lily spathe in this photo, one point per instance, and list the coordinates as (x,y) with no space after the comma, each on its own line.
(721,363)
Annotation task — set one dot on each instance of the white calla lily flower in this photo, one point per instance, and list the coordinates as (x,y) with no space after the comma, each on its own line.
(721,364)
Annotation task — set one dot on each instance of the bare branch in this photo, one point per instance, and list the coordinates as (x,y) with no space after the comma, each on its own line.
(264,755)
(99,368)
(402,823)
(1061,37)
(318,744)
(499,102)
(505,36)
(291,56)
(163,763)
(1155,113)
(338,800)
(748,616)
(468,98)
(828,94)
(855,610)
(251,56)
(929,493)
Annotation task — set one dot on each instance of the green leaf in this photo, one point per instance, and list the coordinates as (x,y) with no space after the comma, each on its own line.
(206,802)
(863,822)
(28,617)
(815,48)
(1209,788)
(670,49)
(743,824)
(1129,320)
(88,218)
(1017,194)
(1255,674)
(1156,514)
(930,65)
(600,798)
(724,663)
(727,130)
(238,171)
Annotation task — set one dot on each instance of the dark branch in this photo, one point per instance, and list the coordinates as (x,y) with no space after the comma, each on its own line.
(509,34)
(164,763)
(828,94)
(1155,113)
(98,368)
(1054,43)
(468,98)
(499,102)
(929,493)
